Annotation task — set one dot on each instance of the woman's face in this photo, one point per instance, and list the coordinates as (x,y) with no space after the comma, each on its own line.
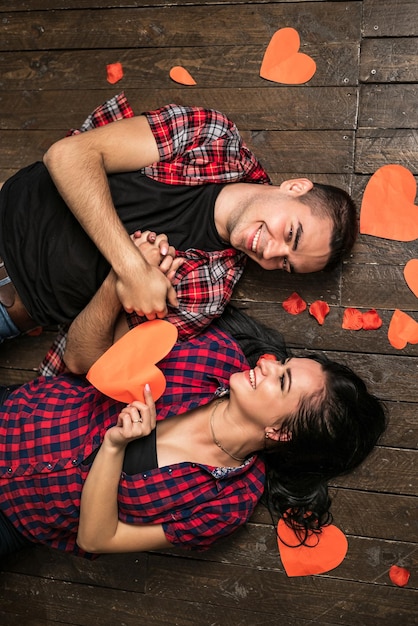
(273,390)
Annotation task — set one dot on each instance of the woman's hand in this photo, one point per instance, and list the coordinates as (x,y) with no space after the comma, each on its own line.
(157,252)
(135,420)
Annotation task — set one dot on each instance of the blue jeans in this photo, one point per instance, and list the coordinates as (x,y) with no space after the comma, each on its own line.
(7,329)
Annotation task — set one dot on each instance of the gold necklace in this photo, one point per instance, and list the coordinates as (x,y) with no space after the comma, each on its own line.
(215,441)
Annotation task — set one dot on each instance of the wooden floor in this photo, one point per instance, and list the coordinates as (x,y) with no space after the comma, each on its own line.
(357,113)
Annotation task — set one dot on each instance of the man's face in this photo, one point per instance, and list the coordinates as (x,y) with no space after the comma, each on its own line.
(281,233)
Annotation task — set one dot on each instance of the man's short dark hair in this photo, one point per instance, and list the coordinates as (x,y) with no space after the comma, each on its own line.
(337,204)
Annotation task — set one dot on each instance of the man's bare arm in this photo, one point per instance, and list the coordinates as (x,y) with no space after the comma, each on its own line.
(79,166)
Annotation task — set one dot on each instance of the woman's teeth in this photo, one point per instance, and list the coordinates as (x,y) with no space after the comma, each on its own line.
(255,240)
(252,379)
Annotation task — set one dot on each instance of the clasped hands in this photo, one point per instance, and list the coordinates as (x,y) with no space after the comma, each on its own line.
(147,290)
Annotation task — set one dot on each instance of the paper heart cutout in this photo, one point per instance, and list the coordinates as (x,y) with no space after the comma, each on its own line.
(180,75)
(402,330)
(387,208)
(323,551)
(124,369)
(282,61)
(411,275)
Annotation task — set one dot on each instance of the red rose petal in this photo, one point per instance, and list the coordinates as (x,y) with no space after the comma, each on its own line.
(114,72)
(399,575)
(371,320)
(294,304)
(319,309)
(352,319)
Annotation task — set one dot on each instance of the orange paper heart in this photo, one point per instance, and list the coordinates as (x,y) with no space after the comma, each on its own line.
(283,63)
(181,75)
(387,208)
(322,553)
(411,275)
(402,330)
(294,304)
(124,369)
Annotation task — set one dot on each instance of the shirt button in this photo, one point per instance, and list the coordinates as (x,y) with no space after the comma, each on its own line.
(74,461)
(144,475)
(10,470)
(49,466)
(170,470)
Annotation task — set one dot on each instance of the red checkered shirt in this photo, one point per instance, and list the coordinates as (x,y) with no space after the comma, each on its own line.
(49,425)
(196,146)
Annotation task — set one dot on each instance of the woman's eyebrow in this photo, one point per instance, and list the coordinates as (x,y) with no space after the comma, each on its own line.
(289,378)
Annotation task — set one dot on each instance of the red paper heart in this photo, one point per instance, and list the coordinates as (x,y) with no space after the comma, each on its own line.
(371,320)
(402,330)
(388,208)
(352,319)
(322,553)
(282,61)
(411,275)
(124,369)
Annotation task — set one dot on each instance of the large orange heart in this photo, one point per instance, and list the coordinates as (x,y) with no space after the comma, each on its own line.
(282,61)
(402,330)
(411,275)
(388,208)
(322,553)
(124,369)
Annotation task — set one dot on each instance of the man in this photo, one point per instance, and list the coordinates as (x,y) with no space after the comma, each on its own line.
(168,171)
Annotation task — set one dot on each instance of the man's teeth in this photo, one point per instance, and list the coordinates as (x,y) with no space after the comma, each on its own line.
(255,240)
(252,378)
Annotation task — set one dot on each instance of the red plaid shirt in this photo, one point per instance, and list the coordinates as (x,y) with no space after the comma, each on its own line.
(48,426)
(196,146)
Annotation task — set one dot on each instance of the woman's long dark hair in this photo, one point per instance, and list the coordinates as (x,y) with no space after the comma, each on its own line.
(332,432)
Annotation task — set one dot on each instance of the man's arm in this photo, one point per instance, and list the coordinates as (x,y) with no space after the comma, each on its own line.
(79,166)
(102,321)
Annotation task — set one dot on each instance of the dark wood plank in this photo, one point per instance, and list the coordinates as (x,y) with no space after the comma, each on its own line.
(388,60)
(327,597)
(388,106)
(44,110)
(214,66)
(375,148)
(24,5)
(385,18)
(162,27)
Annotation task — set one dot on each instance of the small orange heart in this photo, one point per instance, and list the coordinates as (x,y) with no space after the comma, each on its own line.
(124,369)
(282,61)
(387,208)
(322,553)
(402,330)
(180,75)
(411,275)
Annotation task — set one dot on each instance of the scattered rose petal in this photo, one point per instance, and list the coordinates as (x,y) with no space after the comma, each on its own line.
(399,575)
(294,304)
(352,319)
(181,75)
(319,309)
(114,72)
(371,320)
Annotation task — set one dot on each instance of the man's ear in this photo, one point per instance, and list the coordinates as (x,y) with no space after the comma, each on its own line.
(275,434)
(296,186)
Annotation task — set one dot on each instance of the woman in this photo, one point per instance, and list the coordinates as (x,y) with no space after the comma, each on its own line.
(191,468)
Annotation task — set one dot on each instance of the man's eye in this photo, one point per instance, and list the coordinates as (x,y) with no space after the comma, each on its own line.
(290,235)
(284,262)
(282,382)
